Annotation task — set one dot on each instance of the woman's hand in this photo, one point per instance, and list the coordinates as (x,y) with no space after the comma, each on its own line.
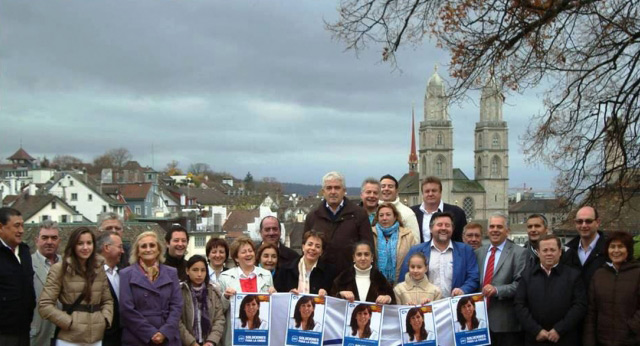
(294,291)
(157,338)
(322,292)
(426,301)
(229,292)
(272,290)
(348,295)
(383,300)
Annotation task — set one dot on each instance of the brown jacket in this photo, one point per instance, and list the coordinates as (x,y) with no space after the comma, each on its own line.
(405,242)
(613,316)
(80,326)
(349,227)
(216,315)
(410,292)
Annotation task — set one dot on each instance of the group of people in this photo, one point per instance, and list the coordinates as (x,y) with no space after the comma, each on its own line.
(103,290)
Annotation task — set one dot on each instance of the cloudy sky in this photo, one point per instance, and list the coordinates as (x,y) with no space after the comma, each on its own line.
(242,85)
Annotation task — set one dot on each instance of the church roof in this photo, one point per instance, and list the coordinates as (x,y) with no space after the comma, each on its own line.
(409,183)
(21,154)
(461,183)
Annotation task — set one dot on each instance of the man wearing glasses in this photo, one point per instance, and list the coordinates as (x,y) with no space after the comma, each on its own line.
(112,223)
(586,251)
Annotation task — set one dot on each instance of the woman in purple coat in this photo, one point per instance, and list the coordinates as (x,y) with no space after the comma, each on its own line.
(150,298)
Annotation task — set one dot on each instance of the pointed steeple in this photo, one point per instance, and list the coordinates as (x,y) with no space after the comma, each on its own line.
(413,156)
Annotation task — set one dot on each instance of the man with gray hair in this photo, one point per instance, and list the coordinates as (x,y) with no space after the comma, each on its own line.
(343,222)
(369,194)
(112,223)
(109,246)
(47,242)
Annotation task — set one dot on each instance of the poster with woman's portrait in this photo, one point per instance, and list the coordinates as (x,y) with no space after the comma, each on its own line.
(362,324)
(418,325)
(470,323)
(306,320)
(250,317)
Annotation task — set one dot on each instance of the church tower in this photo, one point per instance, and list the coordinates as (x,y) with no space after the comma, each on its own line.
(492,151)
(436,136)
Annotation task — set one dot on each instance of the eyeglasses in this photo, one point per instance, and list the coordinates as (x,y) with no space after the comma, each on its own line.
(586,221)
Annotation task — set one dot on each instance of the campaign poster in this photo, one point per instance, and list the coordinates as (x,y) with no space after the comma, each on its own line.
(362,324)
(470,323)
(306,320)
(418,326)
(250,316)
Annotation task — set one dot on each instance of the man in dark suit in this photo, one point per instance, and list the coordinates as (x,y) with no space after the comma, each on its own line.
(432,203)
(500,265)
(587,250)
(17,296)
(270,232)
(109,246)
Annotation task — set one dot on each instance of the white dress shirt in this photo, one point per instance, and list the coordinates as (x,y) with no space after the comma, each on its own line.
(426,218)
(441,268)
(114,279)
(583,253)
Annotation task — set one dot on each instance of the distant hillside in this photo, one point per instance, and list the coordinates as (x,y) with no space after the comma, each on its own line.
(312,190)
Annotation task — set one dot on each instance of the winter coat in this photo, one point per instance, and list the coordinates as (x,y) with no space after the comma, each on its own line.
(321,277)
(405,242)
(17,297)
(80,326)
(350,226)
(216,315)
(410,292)
(379,286)
(149,307)
(613,317)
(597,258)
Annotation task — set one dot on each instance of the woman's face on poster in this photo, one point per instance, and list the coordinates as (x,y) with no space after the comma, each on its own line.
(416,322)
(363,318)
(251,309)
(306,310)
(467,311)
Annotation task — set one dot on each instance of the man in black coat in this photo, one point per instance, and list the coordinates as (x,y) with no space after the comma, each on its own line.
(550,300)
(177,239)
(270,232)
(587,250)
(432,203)
(109,246)
(17,296)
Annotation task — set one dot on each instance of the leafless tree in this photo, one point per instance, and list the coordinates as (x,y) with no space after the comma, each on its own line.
(585,53)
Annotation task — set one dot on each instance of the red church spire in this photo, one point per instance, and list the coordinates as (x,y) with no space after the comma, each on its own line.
(413,156)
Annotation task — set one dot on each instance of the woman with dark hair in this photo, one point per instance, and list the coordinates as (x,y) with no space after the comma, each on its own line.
(80,283)
(613,316)
(391,240)
(466,313)
(415,328)
(363,281)
(268,257)
(249,314)
(308,274)
(202,321)
(303,315)
(218,254)
(150,299)
(361,323)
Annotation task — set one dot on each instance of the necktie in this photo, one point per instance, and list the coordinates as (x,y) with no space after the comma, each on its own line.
(488,273)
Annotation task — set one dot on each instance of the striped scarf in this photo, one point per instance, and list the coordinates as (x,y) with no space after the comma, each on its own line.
(387,250)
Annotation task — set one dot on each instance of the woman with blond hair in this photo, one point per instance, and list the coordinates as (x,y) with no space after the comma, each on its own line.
(150,298)
(80,283)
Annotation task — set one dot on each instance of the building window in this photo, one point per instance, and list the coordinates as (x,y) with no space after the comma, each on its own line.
(90,197)
(53,205)
(479,168)
(479,140)
(64,218)
(104,208)
(439,139)
(496,141)
(45,217)
(138,210)
(439,167)
(469,208)
(74,196)
(70,182)
(495,167)
(200,241)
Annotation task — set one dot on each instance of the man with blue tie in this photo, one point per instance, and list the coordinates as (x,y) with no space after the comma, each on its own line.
(501,264)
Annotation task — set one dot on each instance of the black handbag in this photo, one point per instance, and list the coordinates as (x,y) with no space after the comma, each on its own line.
(69,310)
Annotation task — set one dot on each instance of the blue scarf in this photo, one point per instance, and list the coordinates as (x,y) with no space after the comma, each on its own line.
(387,250)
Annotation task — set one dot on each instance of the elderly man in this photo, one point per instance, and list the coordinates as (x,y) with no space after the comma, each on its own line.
(177,239)
(501,264)
(113,223)
(587,250)
(472,235)
(270,232)
(369,194)
(452,265)
(343,222)
(17,296)
(550,300)
(47,242)
(389,194)
(432,203)
(109,246)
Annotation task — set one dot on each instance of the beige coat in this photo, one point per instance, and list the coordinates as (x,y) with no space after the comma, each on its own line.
(216,315)
(411,292)
(405,242)
(80,326)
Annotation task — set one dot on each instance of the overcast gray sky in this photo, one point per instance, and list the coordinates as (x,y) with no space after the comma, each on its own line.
(242,85)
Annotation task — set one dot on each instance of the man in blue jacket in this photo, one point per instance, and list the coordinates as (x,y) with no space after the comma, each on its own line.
(452,265)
